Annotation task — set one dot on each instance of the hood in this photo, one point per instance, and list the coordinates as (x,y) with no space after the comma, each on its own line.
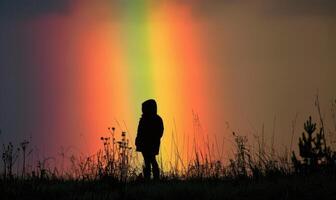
(149,107)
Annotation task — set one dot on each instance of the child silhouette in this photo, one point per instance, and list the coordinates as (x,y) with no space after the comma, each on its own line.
(150,130)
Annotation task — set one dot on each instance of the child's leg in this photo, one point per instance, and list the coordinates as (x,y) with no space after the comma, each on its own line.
(156,171)
(147,167)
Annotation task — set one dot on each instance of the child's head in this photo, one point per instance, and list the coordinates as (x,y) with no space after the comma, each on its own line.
(149,107)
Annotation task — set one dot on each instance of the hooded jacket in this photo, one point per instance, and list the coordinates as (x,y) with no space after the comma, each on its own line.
(150,129)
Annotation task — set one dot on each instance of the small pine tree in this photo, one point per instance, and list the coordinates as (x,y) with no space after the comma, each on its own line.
(313,149)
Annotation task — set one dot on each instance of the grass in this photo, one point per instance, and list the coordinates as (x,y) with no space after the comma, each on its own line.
(317,186)
(115,173)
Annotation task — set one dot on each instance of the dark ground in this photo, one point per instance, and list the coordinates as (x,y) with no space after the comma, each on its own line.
(315,187)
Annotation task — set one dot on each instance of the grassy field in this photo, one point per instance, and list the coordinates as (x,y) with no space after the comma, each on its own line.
(318,186)
(112,173)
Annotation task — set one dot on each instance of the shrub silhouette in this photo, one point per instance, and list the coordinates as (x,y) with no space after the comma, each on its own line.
(9,157)
(242,157)
(114,161)
(313,150)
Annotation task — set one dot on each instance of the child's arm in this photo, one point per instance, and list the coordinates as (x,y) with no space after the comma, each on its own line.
(161,128)
(139,133)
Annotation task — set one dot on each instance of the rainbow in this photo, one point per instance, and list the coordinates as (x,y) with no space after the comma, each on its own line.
(101,70)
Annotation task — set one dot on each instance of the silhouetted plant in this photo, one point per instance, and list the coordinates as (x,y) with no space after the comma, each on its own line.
(43,171)
(114,160)
(124,156)
(333,116)
(313,149)
(24,146)
(9,157)
(239,164)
